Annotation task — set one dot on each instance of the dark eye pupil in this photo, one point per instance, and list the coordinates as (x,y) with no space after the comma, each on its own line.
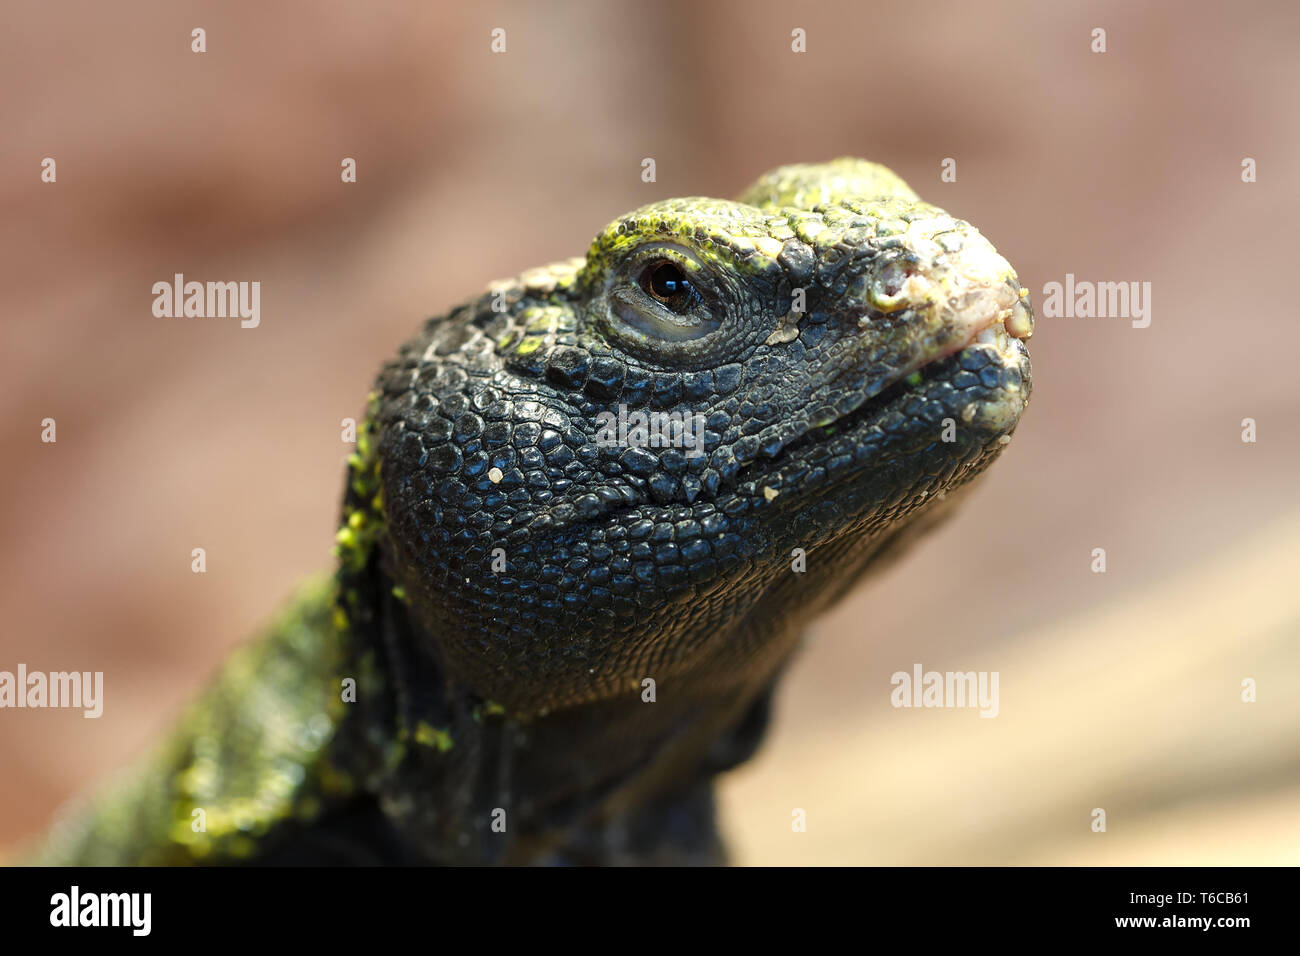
(666,283)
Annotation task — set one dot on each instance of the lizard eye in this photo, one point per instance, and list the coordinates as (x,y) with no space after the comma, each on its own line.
(666,284)
(662,298)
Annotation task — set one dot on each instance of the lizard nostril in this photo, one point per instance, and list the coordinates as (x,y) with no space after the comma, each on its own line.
(890,288)
(892,278)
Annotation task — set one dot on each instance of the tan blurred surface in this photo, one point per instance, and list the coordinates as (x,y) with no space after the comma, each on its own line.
(1134,707)
(1119,690)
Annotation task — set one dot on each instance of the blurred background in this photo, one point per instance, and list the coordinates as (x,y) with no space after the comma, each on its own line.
(1119,691)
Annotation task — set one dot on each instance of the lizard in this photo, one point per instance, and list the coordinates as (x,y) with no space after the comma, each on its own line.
(547,635)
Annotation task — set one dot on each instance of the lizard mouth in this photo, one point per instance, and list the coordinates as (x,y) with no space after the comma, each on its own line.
(987,315)
(992,340)
(976,308)
(982,384)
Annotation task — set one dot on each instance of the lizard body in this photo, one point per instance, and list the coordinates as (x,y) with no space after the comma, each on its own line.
(546,636)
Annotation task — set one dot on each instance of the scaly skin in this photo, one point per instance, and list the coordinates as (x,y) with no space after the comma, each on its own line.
(510,579)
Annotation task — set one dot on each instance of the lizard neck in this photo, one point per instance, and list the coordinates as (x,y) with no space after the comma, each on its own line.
(467,782)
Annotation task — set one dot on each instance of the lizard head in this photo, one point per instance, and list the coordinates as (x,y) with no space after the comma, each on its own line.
(658,460)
